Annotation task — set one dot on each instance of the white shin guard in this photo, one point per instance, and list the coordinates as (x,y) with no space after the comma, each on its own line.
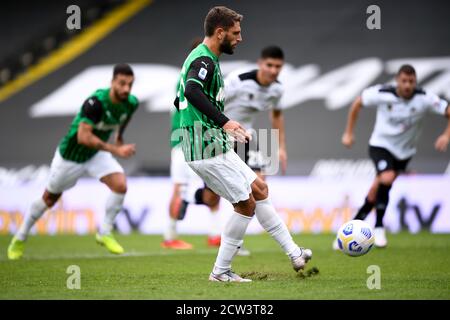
(232,236)
(272,223)
(37,209)
(114,204)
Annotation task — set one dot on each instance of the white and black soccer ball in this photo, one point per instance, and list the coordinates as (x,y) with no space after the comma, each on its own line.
(355,238)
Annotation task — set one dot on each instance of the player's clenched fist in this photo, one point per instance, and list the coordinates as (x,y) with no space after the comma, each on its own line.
(442,143)
(235,129)
(348,139)
(125,150)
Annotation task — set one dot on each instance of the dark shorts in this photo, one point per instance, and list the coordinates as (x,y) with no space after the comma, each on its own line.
(251,155)
(385,161)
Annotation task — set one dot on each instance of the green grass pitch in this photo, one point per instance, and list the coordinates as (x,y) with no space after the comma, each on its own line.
(412,267)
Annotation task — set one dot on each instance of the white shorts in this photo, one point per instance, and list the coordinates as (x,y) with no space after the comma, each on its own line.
(227,175)
(180,172)
(64,174)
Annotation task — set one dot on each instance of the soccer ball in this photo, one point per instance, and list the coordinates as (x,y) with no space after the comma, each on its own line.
(355,238)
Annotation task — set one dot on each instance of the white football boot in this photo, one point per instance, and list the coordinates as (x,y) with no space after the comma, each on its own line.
(380,237)
(299,262)
(228,276)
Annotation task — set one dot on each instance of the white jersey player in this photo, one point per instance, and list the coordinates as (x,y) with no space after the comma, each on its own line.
(247,94)
(400,112)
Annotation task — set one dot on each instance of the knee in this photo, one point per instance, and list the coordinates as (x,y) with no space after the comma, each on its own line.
(261,191)
(388,177)
(116,182)
(210,198)
(119,186)
(251,205)
(50,198)
(246,207)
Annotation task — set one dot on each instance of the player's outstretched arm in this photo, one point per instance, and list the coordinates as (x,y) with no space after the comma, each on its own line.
(443,140)
(86,137)
(348,137)
(277,118)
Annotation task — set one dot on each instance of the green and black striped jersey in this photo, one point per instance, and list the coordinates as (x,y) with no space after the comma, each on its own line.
(98,111)
(202,138)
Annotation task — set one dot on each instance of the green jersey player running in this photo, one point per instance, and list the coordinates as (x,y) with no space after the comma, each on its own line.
(85,150)
(204,133)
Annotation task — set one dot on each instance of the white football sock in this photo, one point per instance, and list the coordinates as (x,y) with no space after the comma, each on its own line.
(171,230)
(272,223)
(37,209)
(114,204)
(232,236)
(214,227)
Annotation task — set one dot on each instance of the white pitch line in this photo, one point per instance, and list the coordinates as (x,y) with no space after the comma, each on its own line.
(99,256)
(126,255)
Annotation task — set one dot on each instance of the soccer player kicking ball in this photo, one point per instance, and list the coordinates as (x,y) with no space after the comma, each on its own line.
(183,194)
(247,94)
(206,148)
(400,112)
(85,150)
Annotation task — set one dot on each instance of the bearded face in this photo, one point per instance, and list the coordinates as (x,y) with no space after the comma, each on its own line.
(226,46)
(231,38)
